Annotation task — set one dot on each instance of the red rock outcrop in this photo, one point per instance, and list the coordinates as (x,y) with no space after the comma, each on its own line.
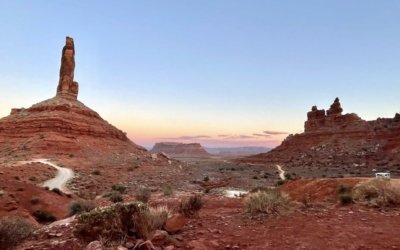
(176,149)
(337,140)
(62,124)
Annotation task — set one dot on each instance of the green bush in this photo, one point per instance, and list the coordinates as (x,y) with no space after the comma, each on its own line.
(206,178)
(14,230)
(143,194)
(270,201)
(190,206)
(81,206)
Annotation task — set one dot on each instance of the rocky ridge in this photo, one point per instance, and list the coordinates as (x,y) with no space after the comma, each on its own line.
(333,139)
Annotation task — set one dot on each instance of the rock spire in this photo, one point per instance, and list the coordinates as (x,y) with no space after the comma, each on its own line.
(67,87)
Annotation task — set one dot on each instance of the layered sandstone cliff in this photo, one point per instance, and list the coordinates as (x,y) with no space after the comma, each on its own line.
(333,139)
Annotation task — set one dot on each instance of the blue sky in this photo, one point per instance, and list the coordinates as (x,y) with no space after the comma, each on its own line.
(183,69)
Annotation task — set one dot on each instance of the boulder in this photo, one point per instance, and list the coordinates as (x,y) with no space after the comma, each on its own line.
(175,223)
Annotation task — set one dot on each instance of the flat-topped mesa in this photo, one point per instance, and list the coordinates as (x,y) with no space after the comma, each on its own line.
(67,87)
(318,120)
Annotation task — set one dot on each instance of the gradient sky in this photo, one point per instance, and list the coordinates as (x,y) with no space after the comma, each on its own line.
(221,72)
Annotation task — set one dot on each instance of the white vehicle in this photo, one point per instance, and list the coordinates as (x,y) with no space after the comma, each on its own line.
(382,175)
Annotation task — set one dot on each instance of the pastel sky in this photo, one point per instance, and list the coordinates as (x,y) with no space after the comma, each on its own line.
(220,72)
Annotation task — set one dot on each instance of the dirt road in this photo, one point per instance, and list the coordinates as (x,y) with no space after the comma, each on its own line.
(62,177)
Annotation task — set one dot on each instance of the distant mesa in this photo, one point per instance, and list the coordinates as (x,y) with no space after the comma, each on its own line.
(180,150)
(62,124)
(332,139)
(237,151)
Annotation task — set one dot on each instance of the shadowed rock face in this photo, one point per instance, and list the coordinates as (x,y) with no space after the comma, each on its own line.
(333,139)
(62,123)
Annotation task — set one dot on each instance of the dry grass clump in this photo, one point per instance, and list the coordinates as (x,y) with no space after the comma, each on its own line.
(159,216)
(190,207)
(377,193)
(14,230)
(268,201)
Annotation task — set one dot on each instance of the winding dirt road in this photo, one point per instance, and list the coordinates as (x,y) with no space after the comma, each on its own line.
(60,180)
(281,172)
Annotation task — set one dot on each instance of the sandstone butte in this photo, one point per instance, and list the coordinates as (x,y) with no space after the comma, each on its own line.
(333,139)
(62,125)
(176,149)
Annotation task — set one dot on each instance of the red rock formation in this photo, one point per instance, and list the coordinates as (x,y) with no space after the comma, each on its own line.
(62,124)
(67,87)
(175,149)
(339,140)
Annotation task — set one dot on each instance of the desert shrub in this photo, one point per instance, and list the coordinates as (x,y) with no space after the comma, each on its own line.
(206,178)
(130,169)
(344,188)
(346,198)
(280,182)
(57,191)
(35,200)
(167,190)
(377,193)
(190,206)
(114,222)
(14,230)
(288,176)
(270,201)
(119,188)
(143,194)
(33,178)
(96,172)
(81,206)
(116,197)
(43,216)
